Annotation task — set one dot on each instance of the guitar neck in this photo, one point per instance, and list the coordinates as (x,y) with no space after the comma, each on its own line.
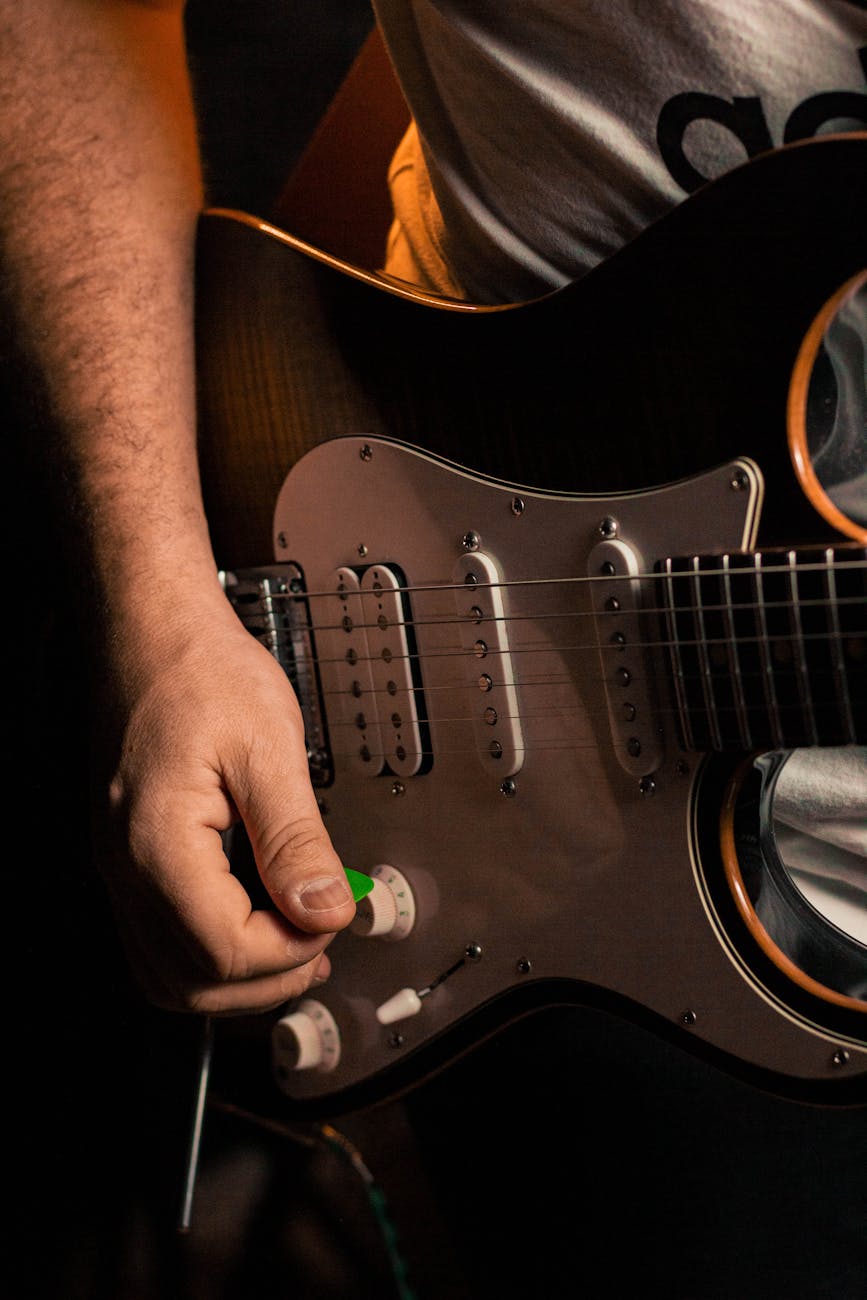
(768,648)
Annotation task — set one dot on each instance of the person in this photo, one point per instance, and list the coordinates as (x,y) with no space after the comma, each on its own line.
(99,129)
(99,126)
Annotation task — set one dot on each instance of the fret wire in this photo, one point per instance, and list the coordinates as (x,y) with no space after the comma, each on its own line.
(734,660)
(840,675)
(768,685)
(703,658)
(802,676)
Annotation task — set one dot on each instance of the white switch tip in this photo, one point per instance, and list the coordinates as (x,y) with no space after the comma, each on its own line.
(400,1006)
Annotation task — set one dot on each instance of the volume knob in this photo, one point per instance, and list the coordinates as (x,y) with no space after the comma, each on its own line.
(306,1039)
(388,911)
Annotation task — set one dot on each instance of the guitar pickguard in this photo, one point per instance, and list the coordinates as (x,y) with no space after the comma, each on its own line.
(556,860)
(558,822)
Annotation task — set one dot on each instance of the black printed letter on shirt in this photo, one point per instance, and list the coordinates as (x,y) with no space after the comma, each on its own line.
(744,117)
(834,105)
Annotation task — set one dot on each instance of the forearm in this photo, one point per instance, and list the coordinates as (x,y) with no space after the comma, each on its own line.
(100,190)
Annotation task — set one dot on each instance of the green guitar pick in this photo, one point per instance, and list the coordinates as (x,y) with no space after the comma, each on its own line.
(358,883)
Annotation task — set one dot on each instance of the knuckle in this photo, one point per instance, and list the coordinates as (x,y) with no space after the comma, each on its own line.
(234,1000)
(202,1002)
(300,842)
(295,982)
(227,963)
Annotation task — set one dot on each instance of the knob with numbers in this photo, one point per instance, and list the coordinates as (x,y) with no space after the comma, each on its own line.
(306,1039)
(388,911)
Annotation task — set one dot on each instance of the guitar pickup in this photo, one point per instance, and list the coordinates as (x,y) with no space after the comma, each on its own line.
(393,668)
(499,740)
(368,674)
(616,592)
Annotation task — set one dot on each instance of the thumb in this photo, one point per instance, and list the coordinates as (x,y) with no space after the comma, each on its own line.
(295,857)
(305,877)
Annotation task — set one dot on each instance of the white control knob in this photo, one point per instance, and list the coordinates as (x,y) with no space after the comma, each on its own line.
(306,1039)
(388,911)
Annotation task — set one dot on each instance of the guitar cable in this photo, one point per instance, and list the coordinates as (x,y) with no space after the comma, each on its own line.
(321,1134)
(191,1165)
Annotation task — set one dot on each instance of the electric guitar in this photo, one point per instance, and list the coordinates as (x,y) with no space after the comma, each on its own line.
(559,585)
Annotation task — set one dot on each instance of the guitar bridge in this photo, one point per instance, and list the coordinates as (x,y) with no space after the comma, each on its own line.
(272,604)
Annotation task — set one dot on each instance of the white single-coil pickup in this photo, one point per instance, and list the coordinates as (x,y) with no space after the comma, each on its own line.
(616,590)
(484,632)
(347,680)
(391,667)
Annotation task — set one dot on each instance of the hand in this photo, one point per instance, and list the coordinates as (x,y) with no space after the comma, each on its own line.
(204,728)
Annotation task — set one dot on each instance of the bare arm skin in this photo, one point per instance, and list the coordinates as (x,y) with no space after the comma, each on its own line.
(99,193)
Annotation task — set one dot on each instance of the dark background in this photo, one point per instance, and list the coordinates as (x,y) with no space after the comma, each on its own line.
(265,71)
(573,1155)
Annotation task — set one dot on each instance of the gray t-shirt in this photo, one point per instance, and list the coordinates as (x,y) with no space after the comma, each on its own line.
(547,133)
(550,132)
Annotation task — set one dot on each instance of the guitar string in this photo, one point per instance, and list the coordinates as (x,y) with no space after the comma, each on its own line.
(756,711)
(608,615)
(780,665)
(670,608)
(402,693)
(750,719)
(590,712)
(564,745)
(776,643)
(479,679)
(744,573)
(593,717)
(769,639)
(284,635)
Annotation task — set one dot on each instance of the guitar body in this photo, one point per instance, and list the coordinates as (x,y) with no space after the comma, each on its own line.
(497,741)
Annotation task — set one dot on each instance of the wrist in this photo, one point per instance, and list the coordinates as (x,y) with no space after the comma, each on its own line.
(153,589)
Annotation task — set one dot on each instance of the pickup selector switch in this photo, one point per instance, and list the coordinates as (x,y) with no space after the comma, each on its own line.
(388,911)
(400,1006)
(306,1039)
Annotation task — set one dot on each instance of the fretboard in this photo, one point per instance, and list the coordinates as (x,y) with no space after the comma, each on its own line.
(768,648)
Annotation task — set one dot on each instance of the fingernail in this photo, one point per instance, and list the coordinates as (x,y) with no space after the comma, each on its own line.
(325,893)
